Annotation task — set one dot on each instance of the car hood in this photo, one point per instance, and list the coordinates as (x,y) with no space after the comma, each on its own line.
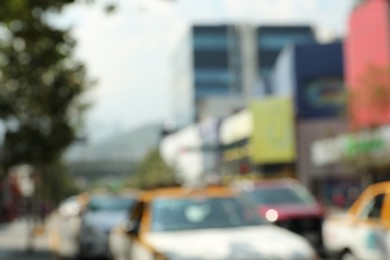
(340,216)
(288,211)
(260,242)
(104,220)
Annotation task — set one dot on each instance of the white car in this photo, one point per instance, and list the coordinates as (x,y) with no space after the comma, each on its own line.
(210,223)
(103,212)
(70,207)
(363,231)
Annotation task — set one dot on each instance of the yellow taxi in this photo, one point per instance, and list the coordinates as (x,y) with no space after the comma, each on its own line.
(204,223)
(364,231)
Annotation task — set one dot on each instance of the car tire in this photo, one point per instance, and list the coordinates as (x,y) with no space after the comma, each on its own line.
(347,255)
(81,252)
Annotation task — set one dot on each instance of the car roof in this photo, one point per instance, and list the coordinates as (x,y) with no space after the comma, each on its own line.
(276,182)
(183,192)
(385,186)
(264,183)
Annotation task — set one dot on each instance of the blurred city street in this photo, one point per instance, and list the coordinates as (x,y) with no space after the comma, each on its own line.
(195,129)
(58,240)
(14,244)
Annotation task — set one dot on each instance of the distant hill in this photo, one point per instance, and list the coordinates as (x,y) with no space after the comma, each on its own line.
(128,146)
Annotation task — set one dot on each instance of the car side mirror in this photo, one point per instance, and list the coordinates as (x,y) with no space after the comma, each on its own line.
(130,227)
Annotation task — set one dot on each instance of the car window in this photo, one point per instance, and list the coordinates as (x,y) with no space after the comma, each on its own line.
(281,195)
(137,212)
(373,208)
(136,215)
(170,214)
(110,203)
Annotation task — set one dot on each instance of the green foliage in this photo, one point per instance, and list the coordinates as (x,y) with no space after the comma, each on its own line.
(152,171)
(41,84)
(368,107)
(58,182)
(370,97)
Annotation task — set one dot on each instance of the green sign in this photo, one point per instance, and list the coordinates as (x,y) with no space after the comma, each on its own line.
(355,147)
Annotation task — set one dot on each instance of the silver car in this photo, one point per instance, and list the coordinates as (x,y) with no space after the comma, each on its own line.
(103,212)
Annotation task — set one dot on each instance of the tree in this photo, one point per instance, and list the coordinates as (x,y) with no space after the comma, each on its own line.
(369,108)
(41,83)
(370,99)
(41,87)
(60,183)
(152,171)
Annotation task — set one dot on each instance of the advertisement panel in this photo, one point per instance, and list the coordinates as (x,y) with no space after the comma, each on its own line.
(273,136)
(236,127)
(370,147)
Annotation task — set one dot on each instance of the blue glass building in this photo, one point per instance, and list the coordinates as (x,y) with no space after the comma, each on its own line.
(216,60)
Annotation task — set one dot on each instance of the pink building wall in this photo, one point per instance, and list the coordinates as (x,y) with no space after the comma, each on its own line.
(367,44)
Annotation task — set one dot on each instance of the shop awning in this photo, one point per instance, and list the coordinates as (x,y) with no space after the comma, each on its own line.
(374,144)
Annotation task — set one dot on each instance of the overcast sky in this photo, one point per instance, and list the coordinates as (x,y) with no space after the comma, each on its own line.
(129,52)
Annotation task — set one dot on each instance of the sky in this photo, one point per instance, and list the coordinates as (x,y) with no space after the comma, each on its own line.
(129,52)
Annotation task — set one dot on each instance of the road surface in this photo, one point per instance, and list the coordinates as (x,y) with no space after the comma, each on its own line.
(57,241)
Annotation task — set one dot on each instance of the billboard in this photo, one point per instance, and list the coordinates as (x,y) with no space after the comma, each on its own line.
(367,45)
(273,136)
(236,127)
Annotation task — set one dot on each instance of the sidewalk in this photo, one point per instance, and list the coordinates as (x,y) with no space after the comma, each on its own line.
(14,242)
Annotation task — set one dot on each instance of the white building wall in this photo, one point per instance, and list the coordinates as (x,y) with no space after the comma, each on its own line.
(182,89)
(181,150)
(283,79)
(216,107)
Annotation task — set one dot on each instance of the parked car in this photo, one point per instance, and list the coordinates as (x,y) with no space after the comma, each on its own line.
(363,231)
(102,213)
(288,204)
(207,223)
(70,207)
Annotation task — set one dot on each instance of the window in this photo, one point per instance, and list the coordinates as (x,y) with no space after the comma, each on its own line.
(173,214)
(136,214)
(210,41)
(110,203)
(277,42)
(282,195)
(373,209)
(215,75)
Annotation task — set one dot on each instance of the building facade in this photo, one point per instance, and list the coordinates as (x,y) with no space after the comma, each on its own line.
(270,42)
(313,75)
(216,60)
(182,83)
(367,48)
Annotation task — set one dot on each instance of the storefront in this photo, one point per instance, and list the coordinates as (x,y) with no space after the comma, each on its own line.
(234,135)
(363,157)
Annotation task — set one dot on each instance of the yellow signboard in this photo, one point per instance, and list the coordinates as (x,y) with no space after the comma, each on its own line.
(273,136)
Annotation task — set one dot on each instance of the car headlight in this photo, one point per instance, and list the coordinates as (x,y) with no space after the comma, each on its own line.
(271,215)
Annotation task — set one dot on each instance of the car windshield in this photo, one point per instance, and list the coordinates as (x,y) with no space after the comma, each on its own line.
(282,195)
(173,214)
(110,203)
